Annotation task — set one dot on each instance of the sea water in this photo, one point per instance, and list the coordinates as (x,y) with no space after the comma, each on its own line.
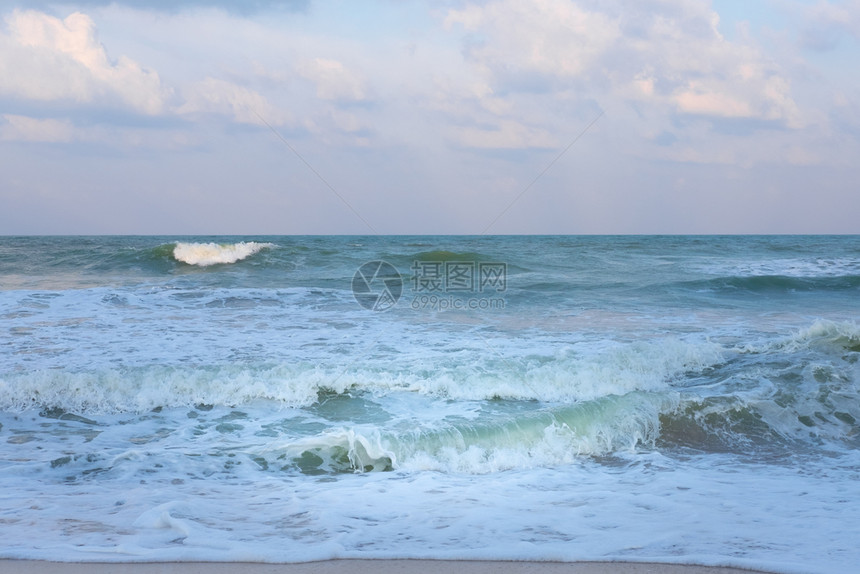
(286,399)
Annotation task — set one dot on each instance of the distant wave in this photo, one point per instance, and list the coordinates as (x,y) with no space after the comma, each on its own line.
(443,255)
(801,268)
(204,254)
(765,283)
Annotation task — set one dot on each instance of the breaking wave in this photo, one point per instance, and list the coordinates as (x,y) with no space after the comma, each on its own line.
(205,254)
(562,379)
(546,436)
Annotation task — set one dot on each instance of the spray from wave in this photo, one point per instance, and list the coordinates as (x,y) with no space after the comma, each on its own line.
(205,254)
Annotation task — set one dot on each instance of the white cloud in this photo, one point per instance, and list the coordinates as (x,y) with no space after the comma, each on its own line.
(687,63)
(827,21)
(20,128)
(44,58)
(664,53)
(551,37)
(216,96)
(507,134)
(698,99)
(332,80)
(27,129)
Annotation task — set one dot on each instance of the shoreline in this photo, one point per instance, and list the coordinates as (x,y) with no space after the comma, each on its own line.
(365,566)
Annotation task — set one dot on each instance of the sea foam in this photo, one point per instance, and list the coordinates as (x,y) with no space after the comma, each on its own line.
(568,378)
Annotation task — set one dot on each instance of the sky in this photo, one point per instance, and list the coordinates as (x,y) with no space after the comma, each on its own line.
(413,117)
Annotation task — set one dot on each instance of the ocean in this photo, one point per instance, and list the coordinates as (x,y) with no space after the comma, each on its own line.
(684,399)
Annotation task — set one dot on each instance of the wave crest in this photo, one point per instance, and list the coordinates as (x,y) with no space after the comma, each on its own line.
(548,436)
(205,254)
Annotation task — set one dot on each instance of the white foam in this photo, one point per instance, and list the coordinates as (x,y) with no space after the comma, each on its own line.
(787,267)
(543,437)
(822,331)
(140,390)
(568,377)
(710,511)
(205,254)
(811,390)
(364,448)
(828,332)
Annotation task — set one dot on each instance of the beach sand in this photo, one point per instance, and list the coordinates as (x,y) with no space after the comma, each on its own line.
(361,567)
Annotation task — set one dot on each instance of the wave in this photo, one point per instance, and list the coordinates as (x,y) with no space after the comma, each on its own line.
(782,421)
(564,378)
(787,267)
(205,254)
(547,436)
(793,394)
(444,255)
(812,409)
(775,283)
(800,389)
(838,336)
(139,390)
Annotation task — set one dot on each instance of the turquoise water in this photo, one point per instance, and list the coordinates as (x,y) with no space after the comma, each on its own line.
(682,398)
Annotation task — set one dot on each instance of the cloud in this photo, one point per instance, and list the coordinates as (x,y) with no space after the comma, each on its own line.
(216,96)
(698,99)
(333,81)
(47,59)
(428,111)
(234,6)
(27,129)
(764,98)
(546,37)
(665,54)
(845,113)
(828,22)
(507,134)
